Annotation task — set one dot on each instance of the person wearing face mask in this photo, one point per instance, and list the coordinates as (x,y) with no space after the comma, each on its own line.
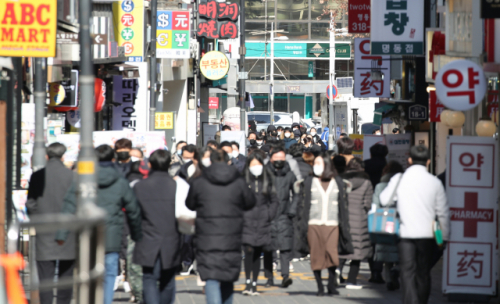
(236,152)
(279,131)
(205,157)
(257,221)
(259,142)
(228,148)
(282,231)
(252,139)
(323,221)
(313,132)
(186,154)
(176,156)
(295,126)
(122,149)
(288,138)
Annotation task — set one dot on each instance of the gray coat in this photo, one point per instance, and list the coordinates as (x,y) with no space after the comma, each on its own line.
(46,193)
(360,201)
(384,253)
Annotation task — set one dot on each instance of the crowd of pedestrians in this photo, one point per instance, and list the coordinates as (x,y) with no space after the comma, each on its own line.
(288,198)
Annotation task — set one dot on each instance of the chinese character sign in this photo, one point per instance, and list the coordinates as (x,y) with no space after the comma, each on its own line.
(460,85)
(28,28)
(218,20)
(365,85)
(400,27)
(359,16)
(164,120)
(172,34)
(129,27)
(214,65)
(471,189)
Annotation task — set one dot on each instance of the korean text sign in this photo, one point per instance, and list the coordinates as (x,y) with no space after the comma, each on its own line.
(470,260)
(164,120)
(359,16)
(172,35)
(128,18)
(28,28)
(364,85)
(400,27)
(213,102)
(214,65)
(218,20)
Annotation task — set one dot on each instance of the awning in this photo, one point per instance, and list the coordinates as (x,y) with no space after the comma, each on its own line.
(379,113)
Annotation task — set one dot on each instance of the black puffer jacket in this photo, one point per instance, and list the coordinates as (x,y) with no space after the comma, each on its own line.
(282,226)
(220,196)
(305,168)
(304,207)
(257,224)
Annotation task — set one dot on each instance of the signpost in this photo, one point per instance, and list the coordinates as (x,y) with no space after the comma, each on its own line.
(470,260)
(359,16)
(365,83)
(460,85)
(400,27)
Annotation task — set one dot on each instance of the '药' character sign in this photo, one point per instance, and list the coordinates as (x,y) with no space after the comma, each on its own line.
(470,260)
(400,27)
(172,34)
(365,85)
(218,20)
(460,85)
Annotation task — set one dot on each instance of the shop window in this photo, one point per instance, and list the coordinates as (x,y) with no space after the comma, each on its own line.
(294,31)
(255,9)
(320,31)
(320,9)
(261,102)
(280,102)
(293,9)
(255,31)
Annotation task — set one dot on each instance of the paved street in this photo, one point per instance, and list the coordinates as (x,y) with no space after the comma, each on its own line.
(303,290)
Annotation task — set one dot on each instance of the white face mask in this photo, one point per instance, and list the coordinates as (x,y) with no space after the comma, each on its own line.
(236,154)
(134,159)
(313,133)
(279,133)
(256,170)
(259,143)
(287,135)
(186,160)
(318,170)
(191,170)
(206,162)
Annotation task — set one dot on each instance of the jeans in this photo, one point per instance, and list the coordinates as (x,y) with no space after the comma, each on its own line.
(415,258)
(46,272)
(219,292)
(163,293)
(111,262)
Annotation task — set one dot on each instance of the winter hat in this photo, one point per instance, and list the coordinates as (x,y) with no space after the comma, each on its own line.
(271,128)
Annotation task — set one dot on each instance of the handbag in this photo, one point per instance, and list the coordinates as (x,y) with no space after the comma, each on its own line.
(383,224)
(438,233)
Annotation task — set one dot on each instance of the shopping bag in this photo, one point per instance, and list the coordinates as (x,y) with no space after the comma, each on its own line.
(185,217)
(438,233)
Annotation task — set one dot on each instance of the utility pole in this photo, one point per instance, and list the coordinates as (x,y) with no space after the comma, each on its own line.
(331,139)
(152,66)
(271,71)
(86,188)
(242,51)
(38,159)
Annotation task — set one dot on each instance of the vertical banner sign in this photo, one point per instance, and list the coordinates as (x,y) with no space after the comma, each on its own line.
(28,28)
(131,95)
(364,85)
(129,27)
(359,16)
(435,107)
(213,103)
(470,260)
(218,20)
(400,27)
(172,34)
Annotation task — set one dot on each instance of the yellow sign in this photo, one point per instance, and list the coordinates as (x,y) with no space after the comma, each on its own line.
(86,167)
(128,19)
(214,65)
(164,120)
(57,94)
(28,28)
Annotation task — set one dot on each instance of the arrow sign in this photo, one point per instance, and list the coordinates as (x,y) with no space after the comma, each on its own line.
(101,39)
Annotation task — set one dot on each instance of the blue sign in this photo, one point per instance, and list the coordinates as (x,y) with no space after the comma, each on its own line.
(164,20)
(128,6)
(335,92)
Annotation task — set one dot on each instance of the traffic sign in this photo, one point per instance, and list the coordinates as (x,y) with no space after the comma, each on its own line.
(335,92)
(460,85)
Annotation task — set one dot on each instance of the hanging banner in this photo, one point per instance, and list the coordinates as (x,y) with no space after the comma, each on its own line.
(132,97)
(435,107)
(365,84)
(400,27)
(172,34)
(28,28)
(129,22)
(359,16)
(358,139)
(470,259)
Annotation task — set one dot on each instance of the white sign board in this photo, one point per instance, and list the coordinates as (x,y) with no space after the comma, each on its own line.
(460,85)
(399,148)
(364,85)
(398,27)
(237,136)
(148,142)
(470,260)
(132,113)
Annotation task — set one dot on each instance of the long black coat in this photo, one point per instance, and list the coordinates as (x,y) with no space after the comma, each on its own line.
(282,226)
(305,168)
(374,167)
(220,196)
(304,207)
(257,221)
(156,196)
(46,193)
